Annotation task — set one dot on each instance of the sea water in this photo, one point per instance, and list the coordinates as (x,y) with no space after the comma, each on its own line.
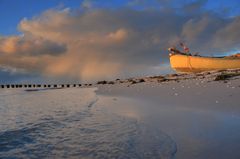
(72,123)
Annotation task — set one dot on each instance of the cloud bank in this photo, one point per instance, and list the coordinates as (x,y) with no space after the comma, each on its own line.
(102,43)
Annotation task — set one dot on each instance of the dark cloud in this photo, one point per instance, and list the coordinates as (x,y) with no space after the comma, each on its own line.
(10,75)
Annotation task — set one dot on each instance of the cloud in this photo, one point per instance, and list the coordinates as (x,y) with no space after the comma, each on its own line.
(119,35)
(109,43)
(30,46)
(228,36)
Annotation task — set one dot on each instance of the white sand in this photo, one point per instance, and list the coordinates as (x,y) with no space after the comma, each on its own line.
(201,115)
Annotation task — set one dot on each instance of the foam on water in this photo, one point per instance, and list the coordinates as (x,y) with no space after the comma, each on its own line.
(67,123)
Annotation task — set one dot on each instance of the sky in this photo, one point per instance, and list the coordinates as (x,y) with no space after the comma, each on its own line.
(60,41)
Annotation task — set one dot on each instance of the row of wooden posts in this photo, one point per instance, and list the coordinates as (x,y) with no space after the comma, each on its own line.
(42,85)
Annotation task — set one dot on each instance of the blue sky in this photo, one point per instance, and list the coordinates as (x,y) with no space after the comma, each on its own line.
(13,11)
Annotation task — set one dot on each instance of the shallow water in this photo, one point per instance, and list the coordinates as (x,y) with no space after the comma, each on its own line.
(74,123)
(78,123)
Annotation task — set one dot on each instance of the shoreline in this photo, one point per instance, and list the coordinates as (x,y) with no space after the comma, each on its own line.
(218,75)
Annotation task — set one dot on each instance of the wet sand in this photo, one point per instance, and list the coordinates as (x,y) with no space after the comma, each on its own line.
(173,116)
(200,112)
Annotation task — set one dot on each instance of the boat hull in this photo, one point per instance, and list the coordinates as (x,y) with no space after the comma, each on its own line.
(185,63)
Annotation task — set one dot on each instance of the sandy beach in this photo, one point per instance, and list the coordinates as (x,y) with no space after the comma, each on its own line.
(200,112)
(167,116)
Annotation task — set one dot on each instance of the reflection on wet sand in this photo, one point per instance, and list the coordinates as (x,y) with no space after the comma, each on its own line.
(203,119)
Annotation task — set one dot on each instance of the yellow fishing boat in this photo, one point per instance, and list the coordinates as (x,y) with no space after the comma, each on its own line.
(184,62)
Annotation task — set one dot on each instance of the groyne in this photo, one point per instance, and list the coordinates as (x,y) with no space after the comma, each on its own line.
(9,86)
